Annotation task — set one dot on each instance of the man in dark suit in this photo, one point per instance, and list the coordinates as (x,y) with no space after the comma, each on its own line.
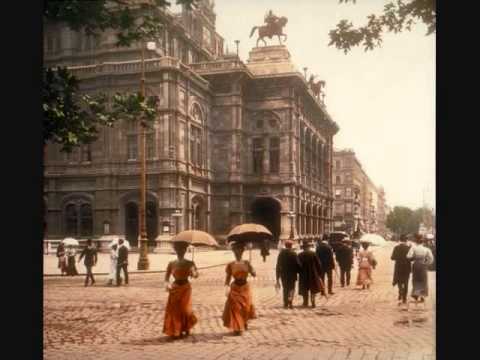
(310,281)
(402,269)
(90,254)
(325,255)
(122,262)
(287,270)
(344,257)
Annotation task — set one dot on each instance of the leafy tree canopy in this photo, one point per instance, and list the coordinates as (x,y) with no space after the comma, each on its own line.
(397,16)
(71,119)
(403,220)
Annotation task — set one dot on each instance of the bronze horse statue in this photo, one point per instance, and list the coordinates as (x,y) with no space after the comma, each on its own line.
(271,30)
(316,86)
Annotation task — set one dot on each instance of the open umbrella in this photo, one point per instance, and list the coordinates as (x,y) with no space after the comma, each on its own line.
(70,241)
(373,239)
(249,233)
(254,233)
(195,238)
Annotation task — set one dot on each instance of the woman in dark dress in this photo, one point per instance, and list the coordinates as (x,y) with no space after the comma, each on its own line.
(310,281)
(71,269)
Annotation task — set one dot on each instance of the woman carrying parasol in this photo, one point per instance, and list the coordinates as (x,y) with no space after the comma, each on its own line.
(179,317)
(239,305)
(366,262)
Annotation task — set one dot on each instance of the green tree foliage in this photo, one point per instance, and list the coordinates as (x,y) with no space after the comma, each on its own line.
(397,16)
(403,220)
(72,119)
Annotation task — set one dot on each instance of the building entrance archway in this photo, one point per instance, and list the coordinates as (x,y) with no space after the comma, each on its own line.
(266,211)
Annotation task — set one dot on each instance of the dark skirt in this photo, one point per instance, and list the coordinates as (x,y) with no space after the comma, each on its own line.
(419,279)
(71,269)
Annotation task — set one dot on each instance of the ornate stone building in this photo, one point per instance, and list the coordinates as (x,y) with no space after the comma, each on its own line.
(234,141)
(358,203)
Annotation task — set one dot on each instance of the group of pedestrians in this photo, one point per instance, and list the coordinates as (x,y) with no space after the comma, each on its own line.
(313,268)
(118,261)
(411,259)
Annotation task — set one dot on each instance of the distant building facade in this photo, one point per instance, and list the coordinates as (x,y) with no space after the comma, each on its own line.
(358,203)
(234,141)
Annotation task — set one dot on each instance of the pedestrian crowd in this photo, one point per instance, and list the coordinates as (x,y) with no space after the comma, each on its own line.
(118,261)
(311,268)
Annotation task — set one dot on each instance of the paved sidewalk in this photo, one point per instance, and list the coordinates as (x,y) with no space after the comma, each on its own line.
(103,322)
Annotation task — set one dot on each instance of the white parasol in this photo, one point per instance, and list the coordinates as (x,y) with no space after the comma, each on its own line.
(70,241)
(373,239)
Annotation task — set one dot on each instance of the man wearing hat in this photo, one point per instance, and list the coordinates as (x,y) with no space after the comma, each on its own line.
(325,254)
(402,269)
(287,269)
(310,281)
(344,255)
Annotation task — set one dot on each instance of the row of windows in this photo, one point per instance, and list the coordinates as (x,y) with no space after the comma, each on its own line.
(348,179)
(348,193)
(79,154)
(347,163)
(339,209)
(273,147)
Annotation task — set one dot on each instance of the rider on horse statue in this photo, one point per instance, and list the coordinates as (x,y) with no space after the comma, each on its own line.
(270,19)
(273,27)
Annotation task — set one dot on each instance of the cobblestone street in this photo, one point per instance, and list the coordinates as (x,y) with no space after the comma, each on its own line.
(103,322)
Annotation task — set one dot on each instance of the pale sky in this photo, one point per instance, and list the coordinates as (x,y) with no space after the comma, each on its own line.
(382,100)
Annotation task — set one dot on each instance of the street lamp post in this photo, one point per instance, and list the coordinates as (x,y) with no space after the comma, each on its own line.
(143,263)
(305,72)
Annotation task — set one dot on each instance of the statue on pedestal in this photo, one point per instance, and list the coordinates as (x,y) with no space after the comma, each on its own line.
(274,26)
(317,87)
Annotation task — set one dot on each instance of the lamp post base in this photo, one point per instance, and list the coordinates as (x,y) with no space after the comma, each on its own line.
(143,263)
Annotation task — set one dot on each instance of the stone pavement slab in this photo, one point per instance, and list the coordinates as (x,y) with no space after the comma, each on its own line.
(126,322)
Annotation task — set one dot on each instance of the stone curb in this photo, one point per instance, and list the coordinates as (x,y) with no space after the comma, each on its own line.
(130,272)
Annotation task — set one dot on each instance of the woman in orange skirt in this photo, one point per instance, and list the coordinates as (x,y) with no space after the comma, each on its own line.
(239,306)
(179,317)
(366,262)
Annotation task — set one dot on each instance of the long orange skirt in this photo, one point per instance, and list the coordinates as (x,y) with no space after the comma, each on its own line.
(179,316)
(364,276)
(238,307)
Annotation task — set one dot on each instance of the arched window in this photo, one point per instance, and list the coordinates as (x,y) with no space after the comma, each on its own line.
(257,156)
(274,155)
(78,219)
(86,220)
(71,220)
(196,143)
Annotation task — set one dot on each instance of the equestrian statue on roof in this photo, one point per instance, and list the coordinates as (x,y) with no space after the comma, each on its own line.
(274,26)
